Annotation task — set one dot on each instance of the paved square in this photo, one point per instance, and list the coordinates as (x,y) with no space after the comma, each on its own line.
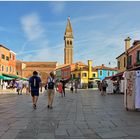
(86,114)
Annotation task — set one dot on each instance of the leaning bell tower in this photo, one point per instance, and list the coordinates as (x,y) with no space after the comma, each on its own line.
(68,40)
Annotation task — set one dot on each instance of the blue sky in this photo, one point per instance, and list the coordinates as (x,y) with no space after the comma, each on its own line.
(35,30)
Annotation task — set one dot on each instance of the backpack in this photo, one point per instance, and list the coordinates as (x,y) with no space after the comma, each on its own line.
(34,82)
(51,84)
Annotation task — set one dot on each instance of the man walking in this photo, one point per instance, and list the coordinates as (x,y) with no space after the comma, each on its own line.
(76,85)
(63,86)
(34,84)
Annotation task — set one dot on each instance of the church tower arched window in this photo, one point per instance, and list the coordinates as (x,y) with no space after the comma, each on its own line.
(67,42)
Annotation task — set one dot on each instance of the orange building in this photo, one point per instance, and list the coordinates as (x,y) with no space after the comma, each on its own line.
(7,61)
(43,68)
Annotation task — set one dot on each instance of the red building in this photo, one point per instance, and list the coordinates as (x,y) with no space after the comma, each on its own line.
(133,56)
(66,72)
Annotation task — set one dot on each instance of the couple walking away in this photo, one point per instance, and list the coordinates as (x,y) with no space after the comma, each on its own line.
(102,87)
(35,84)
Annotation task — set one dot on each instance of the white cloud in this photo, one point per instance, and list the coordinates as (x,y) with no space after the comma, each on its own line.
(58,7)
(88,18)
(44,54)
(32,27)
(34,32)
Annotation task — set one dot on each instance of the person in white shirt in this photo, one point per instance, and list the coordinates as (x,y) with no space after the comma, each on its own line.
(51,89)
(20,87)
(26,85)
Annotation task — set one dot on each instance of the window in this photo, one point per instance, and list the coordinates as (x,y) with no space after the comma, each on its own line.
(138,56)
(10,55)
(94,75)
(2,68)
(124,62)
(13,57)
(118,64)
(10,69)
(84,75)
(3,56)
(70,42)
(100,73)
(108,73)
(74,76)
(112,72)
(129,60)
(79,75)
(6,69)
(67,42)
(7,58)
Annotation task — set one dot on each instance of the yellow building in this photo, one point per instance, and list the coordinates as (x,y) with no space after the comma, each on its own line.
(122,62)
(86,74)
(122,59)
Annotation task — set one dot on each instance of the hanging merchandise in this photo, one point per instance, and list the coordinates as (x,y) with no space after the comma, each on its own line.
(122,86)
(137,97)
(109,88)
(132,90)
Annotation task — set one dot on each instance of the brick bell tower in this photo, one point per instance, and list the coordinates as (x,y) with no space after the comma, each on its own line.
(68,40)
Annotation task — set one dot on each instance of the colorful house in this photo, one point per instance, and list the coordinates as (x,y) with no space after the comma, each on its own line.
(7,61)
(86,74)
(63,71)
(122,58)
(104,71)
(133,56)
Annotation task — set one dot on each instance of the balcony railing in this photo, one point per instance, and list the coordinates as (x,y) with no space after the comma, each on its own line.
(137,63)
(129,66)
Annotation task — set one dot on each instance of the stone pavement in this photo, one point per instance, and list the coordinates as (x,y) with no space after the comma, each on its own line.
(86,114)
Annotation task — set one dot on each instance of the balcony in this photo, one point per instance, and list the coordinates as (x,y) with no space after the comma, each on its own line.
(129,66)
(137,63)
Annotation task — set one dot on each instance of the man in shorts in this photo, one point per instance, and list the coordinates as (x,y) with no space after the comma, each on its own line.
(34,85)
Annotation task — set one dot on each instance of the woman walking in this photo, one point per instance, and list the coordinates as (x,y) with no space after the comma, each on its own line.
(51,90)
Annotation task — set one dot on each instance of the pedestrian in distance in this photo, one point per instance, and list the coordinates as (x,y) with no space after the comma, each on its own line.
(63,86)
(104,86)
(59,88)
(51,89)
(71,87)
(99,86)
(76,85)
(34,85)
(26,85)
(19,87)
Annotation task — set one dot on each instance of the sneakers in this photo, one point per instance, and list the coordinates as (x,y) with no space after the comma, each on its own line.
(34,106)
(50,107)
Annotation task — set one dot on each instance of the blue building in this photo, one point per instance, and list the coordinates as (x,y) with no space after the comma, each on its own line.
(104,71)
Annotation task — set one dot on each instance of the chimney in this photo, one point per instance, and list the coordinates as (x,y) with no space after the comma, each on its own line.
(89,68)
(127,43)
